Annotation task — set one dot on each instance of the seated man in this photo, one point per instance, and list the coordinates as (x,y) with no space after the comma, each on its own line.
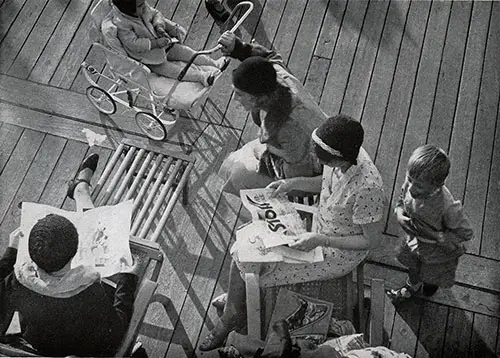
(64,310)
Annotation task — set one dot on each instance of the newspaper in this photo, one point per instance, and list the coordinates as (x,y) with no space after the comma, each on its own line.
(103,235)
(276,223)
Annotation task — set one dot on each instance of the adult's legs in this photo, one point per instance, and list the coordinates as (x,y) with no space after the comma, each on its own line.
(82,196)
(234,311)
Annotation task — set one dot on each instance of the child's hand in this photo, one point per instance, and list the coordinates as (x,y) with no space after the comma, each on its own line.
(405,222)
(14,238)
(428,232)
(228,41)
(306,242)
(160,30)
(160,42)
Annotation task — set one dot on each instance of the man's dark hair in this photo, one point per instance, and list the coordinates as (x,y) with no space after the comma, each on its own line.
(53,242)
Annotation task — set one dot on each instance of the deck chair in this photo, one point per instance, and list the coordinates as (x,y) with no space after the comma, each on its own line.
(345,292)
(12,345)
(156,178)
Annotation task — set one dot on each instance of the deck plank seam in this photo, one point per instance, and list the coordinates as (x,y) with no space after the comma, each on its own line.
(408,111)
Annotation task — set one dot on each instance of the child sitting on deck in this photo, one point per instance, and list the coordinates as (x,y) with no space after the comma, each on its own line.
(149,37)
(434,222)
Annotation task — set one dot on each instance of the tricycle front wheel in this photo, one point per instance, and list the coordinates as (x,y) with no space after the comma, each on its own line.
(151,125)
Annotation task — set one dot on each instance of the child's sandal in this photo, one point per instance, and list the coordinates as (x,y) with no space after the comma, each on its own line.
(404,293)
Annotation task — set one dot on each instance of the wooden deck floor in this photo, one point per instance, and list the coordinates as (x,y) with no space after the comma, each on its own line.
(414,72)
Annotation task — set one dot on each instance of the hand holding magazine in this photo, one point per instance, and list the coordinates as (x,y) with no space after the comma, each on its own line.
(276,223)
(103,235)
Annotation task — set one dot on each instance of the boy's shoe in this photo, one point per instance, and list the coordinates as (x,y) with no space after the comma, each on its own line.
(404,293)
(428,289)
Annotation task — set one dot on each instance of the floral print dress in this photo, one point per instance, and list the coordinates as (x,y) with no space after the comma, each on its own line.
(347,201)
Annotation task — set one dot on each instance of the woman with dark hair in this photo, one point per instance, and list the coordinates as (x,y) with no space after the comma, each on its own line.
(149,37)
(285,113)
(348,222)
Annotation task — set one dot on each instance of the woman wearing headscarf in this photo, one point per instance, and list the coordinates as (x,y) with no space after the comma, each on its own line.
(348,221)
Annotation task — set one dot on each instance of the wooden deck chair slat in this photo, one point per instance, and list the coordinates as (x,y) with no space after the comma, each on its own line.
(152,193)
(149,178)
(128,176)
(107,171)
(180,186)
(116,178)
(139,176)
(161,199)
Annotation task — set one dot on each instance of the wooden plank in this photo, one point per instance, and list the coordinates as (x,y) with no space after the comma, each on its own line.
(9,135)
(69,161)
(330,29)
(345,49)
(431,335)
(316,77)
(17,167)
(484,336)
(421,98)
(18,32)
(209,269)
(75,107)
(364,60)
(458,296)
(490,247)
(483,138)
(389,317)
(458,333)
(305,43)
(38,38)
(9,10)
(52,53)
(468,95)
(185,237)
(405,329)
(472,270)
(445,101)
(69,64)
(383,72)
(33,182)
(287,30)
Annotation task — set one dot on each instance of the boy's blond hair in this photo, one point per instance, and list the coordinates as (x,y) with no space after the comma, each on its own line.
(430,164)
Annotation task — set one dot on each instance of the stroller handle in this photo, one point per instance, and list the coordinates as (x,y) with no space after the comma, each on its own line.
(247,12)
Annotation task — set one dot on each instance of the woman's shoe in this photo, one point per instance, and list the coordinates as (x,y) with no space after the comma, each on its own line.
(404,293)
(220,301)
(89,162)
(217,11)
(218,335)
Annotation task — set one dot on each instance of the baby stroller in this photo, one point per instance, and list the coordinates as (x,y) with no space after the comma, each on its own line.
(156,100)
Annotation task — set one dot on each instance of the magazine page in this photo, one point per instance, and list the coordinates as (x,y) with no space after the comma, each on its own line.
(103,235)
(275,225)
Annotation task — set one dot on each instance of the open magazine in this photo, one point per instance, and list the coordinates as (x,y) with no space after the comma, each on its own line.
(276,222)
(103,235)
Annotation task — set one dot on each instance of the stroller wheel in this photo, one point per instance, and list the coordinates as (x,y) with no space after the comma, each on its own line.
(101,100)
(151,125)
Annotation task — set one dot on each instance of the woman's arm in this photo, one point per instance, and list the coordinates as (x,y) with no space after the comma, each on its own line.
(306,184)
(236,48)
(370,239)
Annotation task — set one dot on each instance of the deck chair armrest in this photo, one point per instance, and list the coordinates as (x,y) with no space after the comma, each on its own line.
(141,303)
